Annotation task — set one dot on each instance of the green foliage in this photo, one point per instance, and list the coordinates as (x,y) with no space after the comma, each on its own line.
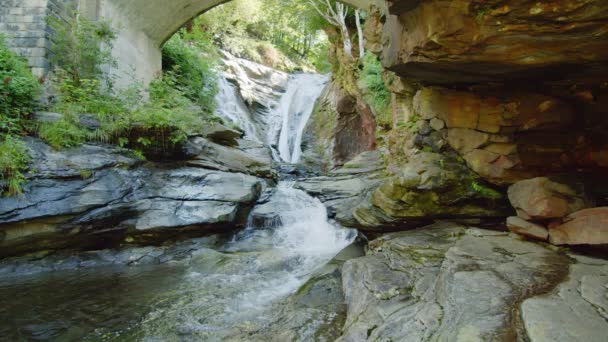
(13,160)
(374,89)
(18,90)
(62,134)
(283,34)
(192,68)
(81,47)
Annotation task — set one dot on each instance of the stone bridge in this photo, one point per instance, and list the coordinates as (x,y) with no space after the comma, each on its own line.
(143,26)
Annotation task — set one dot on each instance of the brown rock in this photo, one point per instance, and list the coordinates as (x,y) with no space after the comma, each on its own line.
(542,198)
(528,229)
(465,140)
(467,41)
(585,227)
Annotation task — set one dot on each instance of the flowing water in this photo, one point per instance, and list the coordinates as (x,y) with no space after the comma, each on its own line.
(295,109)
(239,290)
(232,108)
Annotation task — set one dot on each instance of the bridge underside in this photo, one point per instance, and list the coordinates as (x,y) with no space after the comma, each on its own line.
(144,25)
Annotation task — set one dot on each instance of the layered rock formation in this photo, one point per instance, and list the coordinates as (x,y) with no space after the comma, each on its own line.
(96,196)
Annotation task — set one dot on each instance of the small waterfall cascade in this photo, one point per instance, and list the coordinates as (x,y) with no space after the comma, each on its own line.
(231,108)
(295,108)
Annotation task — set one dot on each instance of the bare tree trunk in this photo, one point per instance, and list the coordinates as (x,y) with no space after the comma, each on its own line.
(360,34)
(342,12)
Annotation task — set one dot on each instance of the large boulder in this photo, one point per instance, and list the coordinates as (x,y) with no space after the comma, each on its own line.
(585,227)
(74,200)
(248,156)
(543,198)
(448,282)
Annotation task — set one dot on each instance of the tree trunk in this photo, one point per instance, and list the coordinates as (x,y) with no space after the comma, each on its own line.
(360,34)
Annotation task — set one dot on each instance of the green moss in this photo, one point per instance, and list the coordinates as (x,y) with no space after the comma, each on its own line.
(485,191)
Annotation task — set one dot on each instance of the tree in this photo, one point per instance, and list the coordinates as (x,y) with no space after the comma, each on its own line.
(360,33)
(335,15)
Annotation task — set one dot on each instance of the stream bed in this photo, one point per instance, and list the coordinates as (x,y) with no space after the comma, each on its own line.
(243,289)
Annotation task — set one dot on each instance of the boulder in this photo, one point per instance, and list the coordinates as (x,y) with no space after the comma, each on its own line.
(248,157)
(585,227)
(543,198)
(520,226)
(447,282)
(221,134)
(73,200)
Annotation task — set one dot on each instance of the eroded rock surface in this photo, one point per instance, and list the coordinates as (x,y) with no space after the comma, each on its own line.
(452,283)
(95,195)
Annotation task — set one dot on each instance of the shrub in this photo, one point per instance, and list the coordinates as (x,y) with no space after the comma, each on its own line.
(13,160)
(62,134)
(193,71)
(374,89)
(18,90)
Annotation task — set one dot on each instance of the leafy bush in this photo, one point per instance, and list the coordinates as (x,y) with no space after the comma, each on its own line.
(374,89)
(192,70)
(18,90)
(13,160)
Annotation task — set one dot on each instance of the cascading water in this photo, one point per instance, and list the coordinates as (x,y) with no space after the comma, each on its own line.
(231,108)
(295,108)
(237,291)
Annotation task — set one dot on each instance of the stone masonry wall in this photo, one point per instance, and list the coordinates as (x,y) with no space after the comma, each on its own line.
(24,25)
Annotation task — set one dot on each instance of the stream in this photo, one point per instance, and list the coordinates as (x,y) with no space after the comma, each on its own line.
(244,287)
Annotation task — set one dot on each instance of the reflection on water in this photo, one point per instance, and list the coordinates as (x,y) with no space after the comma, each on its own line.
(68,306)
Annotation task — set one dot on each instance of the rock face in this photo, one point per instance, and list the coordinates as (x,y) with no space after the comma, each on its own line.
(75,199)
(340,128)
(482,41)
(449,283)
(507,136)
(428,187)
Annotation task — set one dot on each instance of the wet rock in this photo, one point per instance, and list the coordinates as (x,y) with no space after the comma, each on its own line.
(522,227)
(72,199)
(543,198)
(444,283)
(249,157)
(585,227)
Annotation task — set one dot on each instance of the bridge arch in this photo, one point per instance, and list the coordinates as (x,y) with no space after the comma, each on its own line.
(144,25)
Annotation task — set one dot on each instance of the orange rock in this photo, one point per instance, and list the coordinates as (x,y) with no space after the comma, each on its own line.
(528,229)
(585,227)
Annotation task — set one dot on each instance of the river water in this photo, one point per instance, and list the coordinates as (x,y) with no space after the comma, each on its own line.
(241,289)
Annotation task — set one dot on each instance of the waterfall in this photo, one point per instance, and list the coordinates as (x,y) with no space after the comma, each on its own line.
(231,108)
(294,109)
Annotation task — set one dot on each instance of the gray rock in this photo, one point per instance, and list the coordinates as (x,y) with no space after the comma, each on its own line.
(252,158)
(221,134)
(577,310)
(95,193)
(442,283)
